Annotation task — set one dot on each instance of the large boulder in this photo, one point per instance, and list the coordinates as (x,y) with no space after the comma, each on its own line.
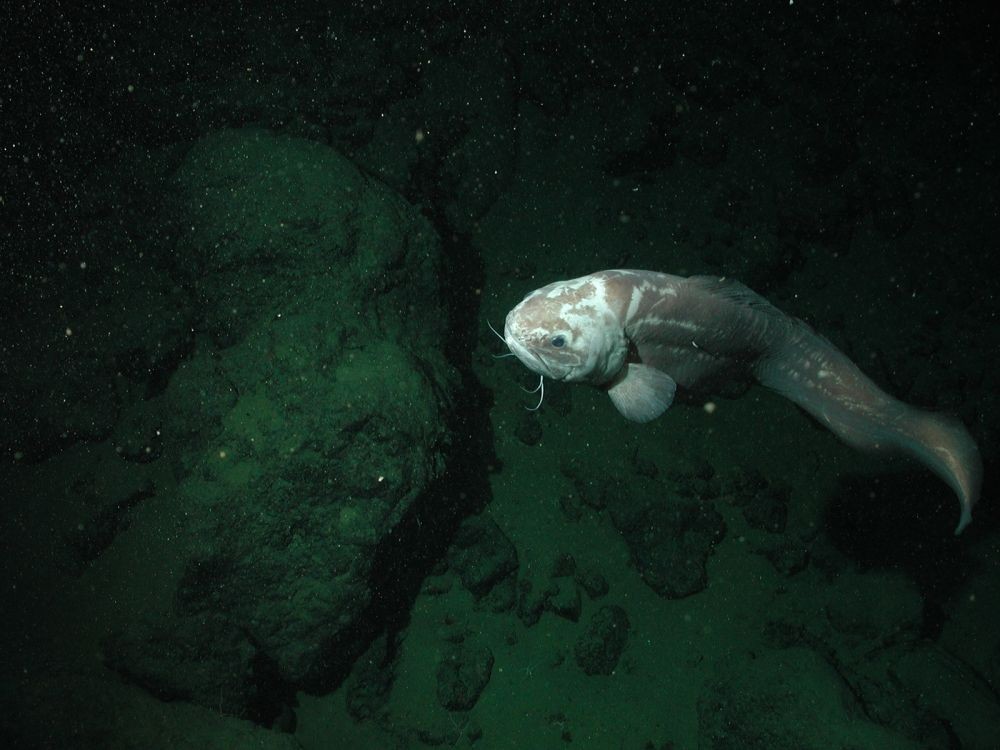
(319,292)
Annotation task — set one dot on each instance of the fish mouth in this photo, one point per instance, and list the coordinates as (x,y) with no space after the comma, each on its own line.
(543,369)
(528,358)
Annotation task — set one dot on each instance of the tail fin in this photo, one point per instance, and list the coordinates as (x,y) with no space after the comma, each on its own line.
(944,445)
(817,376)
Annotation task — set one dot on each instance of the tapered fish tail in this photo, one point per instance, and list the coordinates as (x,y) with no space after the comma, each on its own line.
(806,368)
(944,445)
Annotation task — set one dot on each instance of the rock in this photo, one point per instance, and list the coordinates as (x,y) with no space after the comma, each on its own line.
(593,483)
(570,505)
(866,662)
(786,700)
(970,632)
(88,540)
(324,417)
(766,511)
(563,565)
(898,706)
(436,585)
(670,541)
(764,506)
(874,606)
(955,692)
(599,648)
(501,598)
(595,584)
(528,429)
(190,412)
(462,675)
(97,712)
(368,687)
(788,558)
(181,658)
(670,538)
(565,600)
(481,554)
(531,602)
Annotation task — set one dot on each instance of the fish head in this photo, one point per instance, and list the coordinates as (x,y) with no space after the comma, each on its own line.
(566,331)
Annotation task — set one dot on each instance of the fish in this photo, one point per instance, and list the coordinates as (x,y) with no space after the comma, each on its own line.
(642,335)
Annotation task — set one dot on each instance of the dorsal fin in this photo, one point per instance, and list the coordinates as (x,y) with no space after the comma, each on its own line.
(734,291)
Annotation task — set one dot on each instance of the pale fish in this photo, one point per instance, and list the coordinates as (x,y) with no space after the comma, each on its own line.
(640,335)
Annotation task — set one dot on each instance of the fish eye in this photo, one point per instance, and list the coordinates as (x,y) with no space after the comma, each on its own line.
(558,341)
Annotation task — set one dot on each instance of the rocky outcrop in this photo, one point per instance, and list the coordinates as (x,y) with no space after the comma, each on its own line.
(317,289)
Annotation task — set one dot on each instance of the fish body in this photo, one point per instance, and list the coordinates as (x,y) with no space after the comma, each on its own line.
(640,335)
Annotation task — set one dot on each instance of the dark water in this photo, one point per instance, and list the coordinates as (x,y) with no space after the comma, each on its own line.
(265,484)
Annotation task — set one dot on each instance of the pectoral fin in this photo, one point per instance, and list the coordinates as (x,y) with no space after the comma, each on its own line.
(642,393)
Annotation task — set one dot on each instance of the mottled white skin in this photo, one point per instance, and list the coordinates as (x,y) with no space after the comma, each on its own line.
(702,331)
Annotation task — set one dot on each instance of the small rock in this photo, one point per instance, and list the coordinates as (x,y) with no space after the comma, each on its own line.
(764,506)
(371,680)
(565,602)
(563,565)
(531,602)
(462,675)
(528,430)
(481,555)
(788,559)
(592,582)
(599,648)
(501,598)
(671,542)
